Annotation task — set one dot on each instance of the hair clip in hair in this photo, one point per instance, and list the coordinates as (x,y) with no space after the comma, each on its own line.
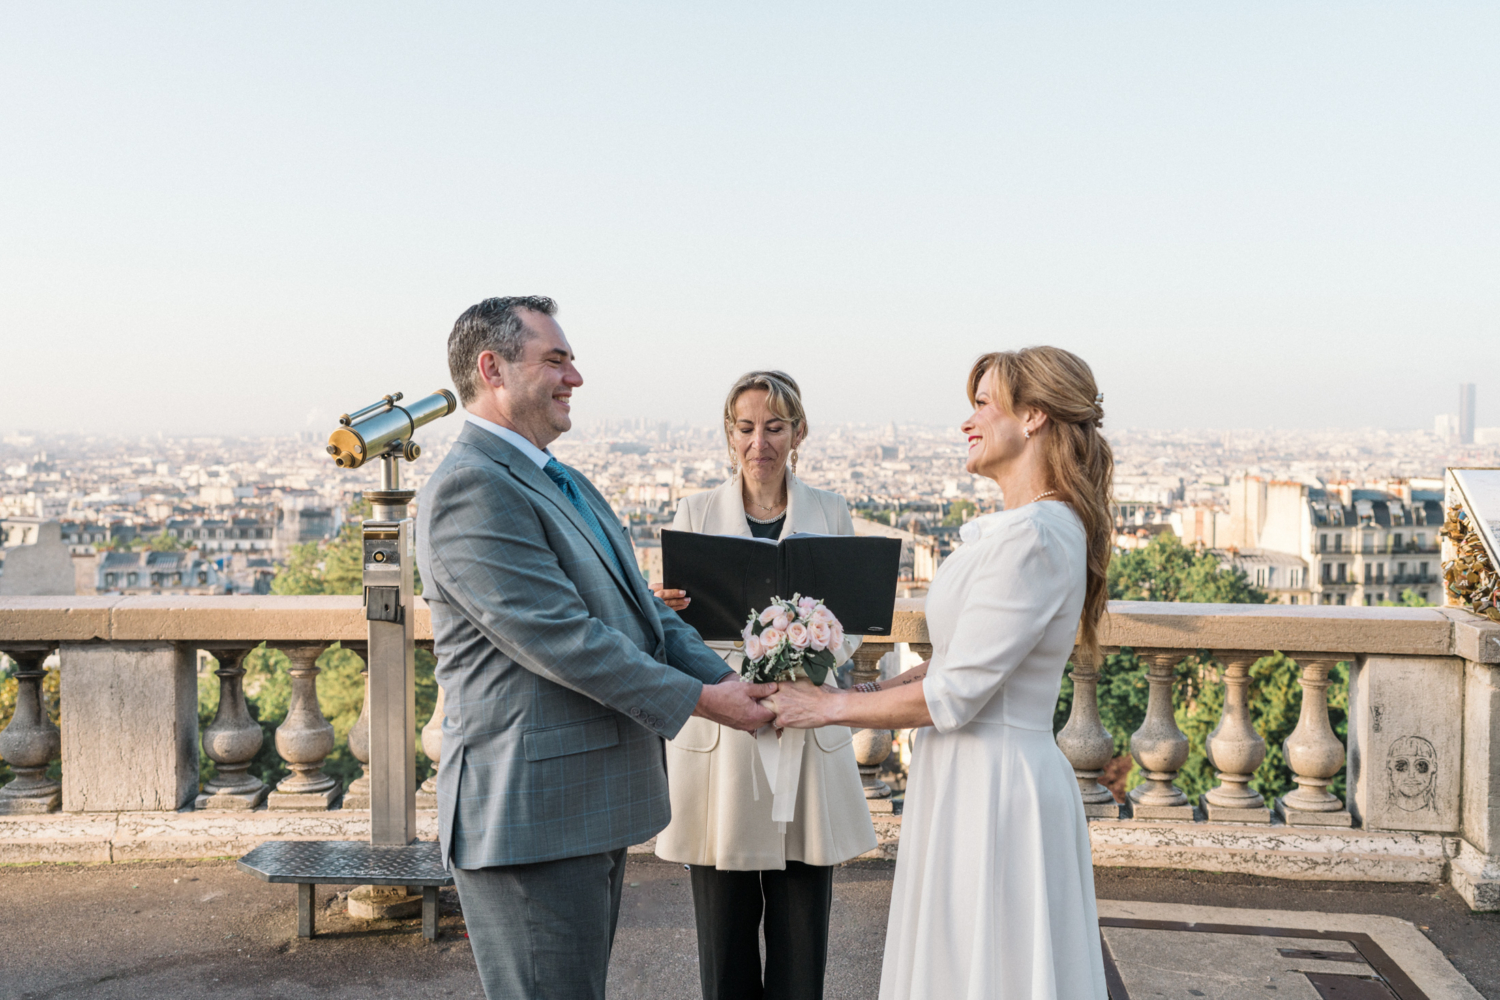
(1099,398)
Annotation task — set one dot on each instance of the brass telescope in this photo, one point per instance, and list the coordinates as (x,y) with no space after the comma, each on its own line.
(384,427)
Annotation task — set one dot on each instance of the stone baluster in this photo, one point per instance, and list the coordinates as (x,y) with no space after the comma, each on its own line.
(871,746)
(1159,747)
(1086,743)
(304,739)
(924,651)
(357,795)
(1313,752)
(30,742)
(232,740)
(1235,749)
(432,746)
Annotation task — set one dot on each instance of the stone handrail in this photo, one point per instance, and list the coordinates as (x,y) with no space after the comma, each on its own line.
(1138,624)
(1423,747)
(1313,628)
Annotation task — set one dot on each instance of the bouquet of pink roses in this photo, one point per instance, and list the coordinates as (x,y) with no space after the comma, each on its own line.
(789,640)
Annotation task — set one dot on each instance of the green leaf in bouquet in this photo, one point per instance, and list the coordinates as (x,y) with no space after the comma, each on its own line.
(816,664)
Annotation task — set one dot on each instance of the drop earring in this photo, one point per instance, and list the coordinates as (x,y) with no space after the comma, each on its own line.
(793,460)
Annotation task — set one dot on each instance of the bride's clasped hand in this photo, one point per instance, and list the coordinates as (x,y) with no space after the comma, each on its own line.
(801,705)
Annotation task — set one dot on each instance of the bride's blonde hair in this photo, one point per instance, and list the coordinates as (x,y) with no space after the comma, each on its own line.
(1078,462)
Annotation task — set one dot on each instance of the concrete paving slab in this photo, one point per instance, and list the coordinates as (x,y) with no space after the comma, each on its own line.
(1174,962)
(1469,941)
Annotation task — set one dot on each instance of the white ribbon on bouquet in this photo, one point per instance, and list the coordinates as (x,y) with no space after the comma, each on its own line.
(781,756)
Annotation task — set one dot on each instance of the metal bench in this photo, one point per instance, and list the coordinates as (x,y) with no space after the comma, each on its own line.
(311,863)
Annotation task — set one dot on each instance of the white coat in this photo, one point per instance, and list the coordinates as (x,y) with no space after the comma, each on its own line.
(716,818)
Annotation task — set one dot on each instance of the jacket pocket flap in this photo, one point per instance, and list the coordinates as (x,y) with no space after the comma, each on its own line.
(698,734)
(831,738)
(576,737)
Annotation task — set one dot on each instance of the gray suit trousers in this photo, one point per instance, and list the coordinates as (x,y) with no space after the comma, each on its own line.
(543,931)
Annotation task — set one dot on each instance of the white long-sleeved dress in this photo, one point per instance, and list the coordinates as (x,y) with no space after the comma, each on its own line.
(994,889)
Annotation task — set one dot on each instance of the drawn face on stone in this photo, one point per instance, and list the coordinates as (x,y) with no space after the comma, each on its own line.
(1410,770)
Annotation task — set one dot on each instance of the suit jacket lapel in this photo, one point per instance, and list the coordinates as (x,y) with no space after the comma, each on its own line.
(526,471)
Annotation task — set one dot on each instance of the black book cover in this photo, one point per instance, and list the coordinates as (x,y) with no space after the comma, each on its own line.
(728,576)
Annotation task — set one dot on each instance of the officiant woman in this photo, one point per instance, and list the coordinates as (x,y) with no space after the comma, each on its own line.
(744,865)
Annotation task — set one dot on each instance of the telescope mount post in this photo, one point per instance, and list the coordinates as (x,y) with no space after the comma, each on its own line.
(389,557)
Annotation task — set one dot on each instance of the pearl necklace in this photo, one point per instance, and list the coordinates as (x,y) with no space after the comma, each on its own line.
(1041,495)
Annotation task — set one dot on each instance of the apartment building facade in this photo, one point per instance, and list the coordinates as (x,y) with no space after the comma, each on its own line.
(1338,545)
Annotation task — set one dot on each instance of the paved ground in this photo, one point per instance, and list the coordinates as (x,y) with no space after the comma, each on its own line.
(169,930)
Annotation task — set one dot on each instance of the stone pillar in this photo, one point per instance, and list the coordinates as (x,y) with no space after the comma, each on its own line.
(232,740)
(1475,873)
(1405,747)
(30,742)
(304,739)
(432,746)
(357,795)
(129,726)
(871,746)
(1086,743)
(1314,754)
(1159,747)
(1235,749)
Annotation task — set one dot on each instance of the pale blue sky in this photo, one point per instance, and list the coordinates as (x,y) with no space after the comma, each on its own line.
(225,217)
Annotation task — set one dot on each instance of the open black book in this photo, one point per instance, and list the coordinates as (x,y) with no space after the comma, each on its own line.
(728,576)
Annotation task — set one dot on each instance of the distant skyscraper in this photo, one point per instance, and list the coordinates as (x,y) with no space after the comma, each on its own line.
(1466,413)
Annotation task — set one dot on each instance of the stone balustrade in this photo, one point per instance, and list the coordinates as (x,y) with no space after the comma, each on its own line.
(1421,764)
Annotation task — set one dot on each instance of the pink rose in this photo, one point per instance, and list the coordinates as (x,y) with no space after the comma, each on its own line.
(780,622)
(796,634)
(753,649)
(823,615)
(805,607)
(767,615)
(836,634)
(771,640)
(819,635)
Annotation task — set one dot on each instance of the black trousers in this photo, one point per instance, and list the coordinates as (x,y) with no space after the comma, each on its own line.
(730,906)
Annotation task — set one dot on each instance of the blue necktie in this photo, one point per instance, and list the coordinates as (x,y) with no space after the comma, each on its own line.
(559,475)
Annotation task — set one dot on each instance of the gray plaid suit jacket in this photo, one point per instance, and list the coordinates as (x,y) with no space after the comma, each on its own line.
(561,674)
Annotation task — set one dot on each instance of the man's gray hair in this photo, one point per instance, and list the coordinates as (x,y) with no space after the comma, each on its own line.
(492,325)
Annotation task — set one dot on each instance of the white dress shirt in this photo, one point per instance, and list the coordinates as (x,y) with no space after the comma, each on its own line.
(538,455)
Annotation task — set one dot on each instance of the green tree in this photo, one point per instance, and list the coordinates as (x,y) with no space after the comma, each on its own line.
(165,541)
(1409,599)
(1167,570)
(958,512)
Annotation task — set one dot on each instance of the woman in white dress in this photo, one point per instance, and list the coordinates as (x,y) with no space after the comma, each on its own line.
(994,890)
(750,873)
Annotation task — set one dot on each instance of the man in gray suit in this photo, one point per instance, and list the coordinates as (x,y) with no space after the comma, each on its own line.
(561,672)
